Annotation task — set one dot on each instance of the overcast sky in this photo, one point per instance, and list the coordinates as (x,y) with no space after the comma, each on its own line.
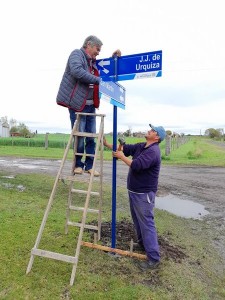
(37,37)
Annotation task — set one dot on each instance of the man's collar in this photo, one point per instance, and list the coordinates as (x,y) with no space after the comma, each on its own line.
(148,145)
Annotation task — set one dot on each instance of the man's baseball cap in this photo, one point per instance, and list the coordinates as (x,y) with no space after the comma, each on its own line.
(160,131)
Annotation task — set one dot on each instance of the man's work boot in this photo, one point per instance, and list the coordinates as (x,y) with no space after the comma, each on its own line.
(78,170)
(147,265)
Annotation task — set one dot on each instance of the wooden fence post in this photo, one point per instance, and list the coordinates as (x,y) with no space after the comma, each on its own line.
(168,144)
(46,141)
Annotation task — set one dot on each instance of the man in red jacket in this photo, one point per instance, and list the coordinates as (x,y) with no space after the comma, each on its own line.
(79,92)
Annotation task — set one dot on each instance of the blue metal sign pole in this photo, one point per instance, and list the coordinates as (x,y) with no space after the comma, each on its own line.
(113,228)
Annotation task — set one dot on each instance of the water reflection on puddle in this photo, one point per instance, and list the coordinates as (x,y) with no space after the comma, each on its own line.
(180,207)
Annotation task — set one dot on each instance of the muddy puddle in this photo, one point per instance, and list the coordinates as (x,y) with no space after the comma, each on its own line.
(180,207)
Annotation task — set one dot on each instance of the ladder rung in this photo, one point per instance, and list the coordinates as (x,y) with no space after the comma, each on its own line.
(92,210)
(84,192)
(90,114)
(54,255)
(85,134)
(85,226)
(84,154)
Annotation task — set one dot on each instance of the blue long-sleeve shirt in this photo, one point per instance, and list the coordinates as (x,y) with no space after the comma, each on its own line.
(144,170)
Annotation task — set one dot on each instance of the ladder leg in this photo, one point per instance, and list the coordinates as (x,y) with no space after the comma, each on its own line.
(101,131)
(30,263)
(72,278)
(69,202)
(81,232)
(100,139)
(75,128)
(49,203)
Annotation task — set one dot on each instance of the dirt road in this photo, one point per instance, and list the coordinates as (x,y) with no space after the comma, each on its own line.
(204,185)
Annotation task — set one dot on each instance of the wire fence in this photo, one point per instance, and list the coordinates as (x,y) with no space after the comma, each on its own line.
(46,141)
(60,141)
(174,142)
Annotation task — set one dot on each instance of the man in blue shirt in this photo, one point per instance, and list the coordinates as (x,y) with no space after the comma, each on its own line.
(142,184)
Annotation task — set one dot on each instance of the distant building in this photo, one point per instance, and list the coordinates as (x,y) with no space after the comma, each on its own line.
(4,129)
(16,134)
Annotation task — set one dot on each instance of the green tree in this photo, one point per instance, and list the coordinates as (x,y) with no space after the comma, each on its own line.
(213,133)
(22,129)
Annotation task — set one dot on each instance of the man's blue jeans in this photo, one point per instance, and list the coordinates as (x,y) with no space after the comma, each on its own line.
(142,212)
(87,124)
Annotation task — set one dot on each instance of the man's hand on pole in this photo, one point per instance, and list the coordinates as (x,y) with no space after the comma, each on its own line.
(117,53)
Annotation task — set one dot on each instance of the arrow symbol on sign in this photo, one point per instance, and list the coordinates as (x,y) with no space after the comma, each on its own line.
(121,90)
(103,63)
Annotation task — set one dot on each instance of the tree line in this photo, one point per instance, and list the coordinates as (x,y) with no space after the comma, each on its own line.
(22,130)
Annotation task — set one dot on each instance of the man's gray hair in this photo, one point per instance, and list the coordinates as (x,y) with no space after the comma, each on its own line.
(93,41)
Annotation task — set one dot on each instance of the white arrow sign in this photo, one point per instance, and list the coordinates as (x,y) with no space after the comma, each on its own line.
(103,63)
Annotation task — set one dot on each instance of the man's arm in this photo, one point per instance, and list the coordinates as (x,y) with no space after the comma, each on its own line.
(79,68)
(110,146)
(120,155)
(106,144)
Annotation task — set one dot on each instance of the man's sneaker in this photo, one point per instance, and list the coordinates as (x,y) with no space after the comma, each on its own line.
(96,173)
(147,265)
(78,170)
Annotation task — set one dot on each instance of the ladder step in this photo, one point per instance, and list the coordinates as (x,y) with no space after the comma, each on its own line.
(92,210)
(89,114)
(84,192)
(80,224)
(85,134)
(74,178)
(54,255)
(84,154)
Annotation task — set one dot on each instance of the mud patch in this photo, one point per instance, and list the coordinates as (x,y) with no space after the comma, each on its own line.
(125,233)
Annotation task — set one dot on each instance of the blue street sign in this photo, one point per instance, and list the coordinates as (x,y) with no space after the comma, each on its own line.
(114,92)
(129,67)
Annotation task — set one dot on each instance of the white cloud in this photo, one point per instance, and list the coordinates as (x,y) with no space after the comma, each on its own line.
(38,36)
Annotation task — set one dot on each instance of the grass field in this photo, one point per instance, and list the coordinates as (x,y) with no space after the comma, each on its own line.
(99,276)
(197,151)
(23,200)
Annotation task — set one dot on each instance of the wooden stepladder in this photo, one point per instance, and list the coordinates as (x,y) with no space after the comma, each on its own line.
(75,135)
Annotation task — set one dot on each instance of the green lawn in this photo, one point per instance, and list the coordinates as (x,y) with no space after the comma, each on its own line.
(99,276)
(23,200)
(197,151)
